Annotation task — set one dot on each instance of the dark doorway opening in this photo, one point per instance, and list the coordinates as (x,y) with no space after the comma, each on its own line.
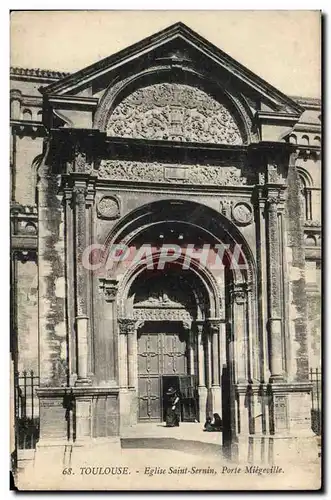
(185,387)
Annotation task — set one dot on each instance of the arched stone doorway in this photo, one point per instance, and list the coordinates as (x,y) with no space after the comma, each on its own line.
(167,305)
(206,310)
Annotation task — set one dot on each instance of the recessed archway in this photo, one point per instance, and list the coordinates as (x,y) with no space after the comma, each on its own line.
(218,317)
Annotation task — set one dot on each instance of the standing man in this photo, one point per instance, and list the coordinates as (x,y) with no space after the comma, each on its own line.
(173,408)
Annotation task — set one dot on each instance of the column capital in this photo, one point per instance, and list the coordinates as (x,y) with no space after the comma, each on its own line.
(214,324)
(127,325)
(238,292)
(109,288)
(200,325)
(79,189)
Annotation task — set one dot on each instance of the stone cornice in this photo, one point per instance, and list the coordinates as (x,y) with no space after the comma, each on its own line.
(308,102)
(51,392)
(33,73)
(282,388)
(28,127)
(308,127)
(273,116)
(24,242)
(73,102)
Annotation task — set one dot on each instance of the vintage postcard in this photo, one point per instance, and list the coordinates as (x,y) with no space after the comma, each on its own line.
(166,250)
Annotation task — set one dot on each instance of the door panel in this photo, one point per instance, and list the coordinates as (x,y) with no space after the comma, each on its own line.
(158,354)
(174,351)
(149,397)
(188,398)
(148,354)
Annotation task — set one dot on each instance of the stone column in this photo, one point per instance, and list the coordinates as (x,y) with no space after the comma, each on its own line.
(202,389)
(129,396)
(82,319)
(191,353)
(274,288)
(110,341)
(69,268)
(214,329)
(128,327)
(239,298)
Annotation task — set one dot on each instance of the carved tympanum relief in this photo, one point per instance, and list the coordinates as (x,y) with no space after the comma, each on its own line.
(175,112)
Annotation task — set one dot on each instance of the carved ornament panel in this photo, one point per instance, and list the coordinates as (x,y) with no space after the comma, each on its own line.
(164,172)
(159,314)
(174,112)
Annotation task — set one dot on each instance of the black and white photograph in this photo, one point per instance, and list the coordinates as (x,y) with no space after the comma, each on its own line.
(165,250)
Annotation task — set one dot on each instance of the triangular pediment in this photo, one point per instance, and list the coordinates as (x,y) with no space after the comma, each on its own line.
(177,47)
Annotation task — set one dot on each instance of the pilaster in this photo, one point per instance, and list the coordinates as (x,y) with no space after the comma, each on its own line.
(202,389)
(275,323)
(128,394)
(239,325)
(214,326)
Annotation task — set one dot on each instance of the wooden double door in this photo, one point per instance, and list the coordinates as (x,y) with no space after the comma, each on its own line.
(163,363)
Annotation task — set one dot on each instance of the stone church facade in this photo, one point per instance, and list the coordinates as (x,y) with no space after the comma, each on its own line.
(169,143)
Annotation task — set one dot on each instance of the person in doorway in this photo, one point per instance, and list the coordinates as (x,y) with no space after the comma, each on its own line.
(173,408)
(208,425)
(217,422)
(214,425)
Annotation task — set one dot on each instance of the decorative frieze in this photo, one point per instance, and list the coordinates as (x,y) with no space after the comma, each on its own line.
(174,112)
(313,223)
(162,314)
(214,175)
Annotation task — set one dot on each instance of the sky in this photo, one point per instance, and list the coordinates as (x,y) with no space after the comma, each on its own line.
(282,47)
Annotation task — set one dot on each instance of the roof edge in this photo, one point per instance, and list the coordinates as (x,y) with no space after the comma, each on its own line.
(37,73)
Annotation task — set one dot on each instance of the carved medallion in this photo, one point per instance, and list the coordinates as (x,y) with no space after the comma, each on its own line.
(174,112)
(109,208)
(242,213)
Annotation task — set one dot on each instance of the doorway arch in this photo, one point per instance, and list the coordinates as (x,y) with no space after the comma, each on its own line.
(223,327)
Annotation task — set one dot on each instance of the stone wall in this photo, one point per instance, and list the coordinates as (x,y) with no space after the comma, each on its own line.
(295,253)
(52,329)
(27,315)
